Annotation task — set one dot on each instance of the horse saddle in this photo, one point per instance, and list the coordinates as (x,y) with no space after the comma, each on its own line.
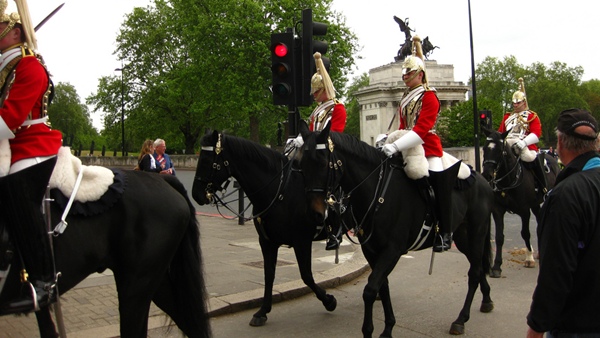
(98,189)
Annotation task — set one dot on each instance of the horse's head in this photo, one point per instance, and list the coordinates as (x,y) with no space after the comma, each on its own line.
(321,172)
(212,170)
(494,151)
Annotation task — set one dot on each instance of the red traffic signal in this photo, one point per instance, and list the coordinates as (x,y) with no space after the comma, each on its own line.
(280,50)
(485,119)
(282,63)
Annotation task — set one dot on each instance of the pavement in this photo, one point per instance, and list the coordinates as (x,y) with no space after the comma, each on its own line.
(234,278)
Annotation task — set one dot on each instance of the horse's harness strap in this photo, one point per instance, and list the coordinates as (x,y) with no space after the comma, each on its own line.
(62,225)
(422,237)
(381,198)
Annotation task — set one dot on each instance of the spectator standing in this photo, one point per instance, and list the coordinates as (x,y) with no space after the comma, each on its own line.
(565,300)
(146,161)
(163,160)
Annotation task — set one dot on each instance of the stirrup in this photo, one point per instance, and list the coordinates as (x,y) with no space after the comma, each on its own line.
(40,296)
(333,243)
(442,242)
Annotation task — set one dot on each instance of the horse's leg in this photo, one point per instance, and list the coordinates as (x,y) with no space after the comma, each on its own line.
(269,253)
(45,323)
(134,303)
(498,216)
(458,326)
(529,260)
(382,263)
(303,256)
(487,305)
(386,302)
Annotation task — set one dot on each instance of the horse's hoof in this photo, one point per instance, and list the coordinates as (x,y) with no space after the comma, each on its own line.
(258,321)
(330,303)
(496,273)
(486,307)
(530,264)
(457,329)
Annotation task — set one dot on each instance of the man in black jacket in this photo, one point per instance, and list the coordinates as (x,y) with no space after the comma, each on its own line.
(565,300)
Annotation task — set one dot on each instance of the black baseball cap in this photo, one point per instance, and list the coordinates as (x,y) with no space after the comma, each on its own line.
(570,119)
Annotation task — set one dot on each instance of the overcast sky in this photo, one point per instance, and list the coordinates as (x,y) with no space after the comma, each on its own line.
(79,41)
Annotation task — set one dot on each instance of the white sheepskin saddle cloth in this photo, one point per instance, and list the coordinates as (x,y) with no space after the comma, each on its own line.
(416,165)
(527,155)
(95,182)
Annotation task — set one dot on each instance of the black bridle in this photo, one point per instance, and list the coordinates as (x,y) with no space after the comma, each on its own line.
(513,174)
(220,162)
(335,201)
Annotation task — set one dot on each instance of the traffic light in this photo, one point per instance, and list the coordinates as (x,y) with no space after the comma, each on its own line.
(309,47)
(282,66)
(485,119)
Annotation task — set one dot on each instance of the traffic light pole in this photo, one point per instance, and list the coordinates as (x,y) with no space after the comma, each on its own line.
(293,120)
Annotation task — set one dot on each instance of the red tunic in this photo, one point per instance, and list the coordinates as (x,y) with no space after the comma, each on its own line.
(425,122)
(338,119)
(25,96)
(533,126)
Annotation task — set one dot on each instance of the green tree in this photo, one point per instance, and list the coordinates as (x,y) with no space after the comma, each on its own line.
(69,115)
(550,89)
(590,91)
(193,66)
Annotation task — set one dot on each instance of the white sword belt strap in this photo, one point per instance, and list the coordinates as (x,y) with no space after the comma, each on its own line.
(62,225)
(36,121)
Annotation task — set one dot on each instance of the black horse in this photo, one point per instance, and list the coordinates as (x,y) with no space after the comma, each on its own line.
(276,191)
(391,212)
(155,256)
(514,187)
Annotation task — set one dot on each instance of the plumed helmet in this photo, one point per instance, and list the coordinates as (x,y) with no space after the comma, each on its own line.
(416,60)
(21,16)
(520,95)
(321,78)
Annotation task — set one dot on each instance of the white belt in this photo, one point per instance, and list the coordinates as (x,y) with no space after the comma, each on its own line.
(36,121)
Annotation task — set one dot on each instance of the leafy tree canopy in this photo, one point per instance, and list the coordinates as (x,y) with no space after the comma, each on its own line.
(191,66)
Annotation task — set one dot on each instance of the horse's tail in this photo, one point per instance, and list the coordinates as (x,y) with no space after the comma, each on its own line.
(186,276)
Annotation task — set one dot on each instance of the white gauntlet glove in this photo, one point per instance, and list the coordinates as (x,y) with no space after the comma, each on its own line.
(298,141)
(409,140)
(521,144)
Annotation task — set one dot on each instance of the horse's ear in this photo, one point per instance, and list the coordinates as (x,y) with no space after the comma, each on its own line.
(215,135)
(504,134)
(486,131)
(303,129)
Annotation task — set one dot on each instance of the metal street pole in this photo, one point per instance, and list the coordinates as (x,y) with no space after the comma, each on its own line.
(122,70)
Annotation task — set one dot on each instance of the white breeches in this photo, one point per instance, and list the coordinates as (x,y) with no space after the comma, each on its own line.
(27,162)
(435,164)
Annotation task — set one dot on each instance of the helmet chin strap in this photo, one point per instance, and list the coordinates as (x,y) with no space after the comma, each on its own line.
(8,28)
(413,76)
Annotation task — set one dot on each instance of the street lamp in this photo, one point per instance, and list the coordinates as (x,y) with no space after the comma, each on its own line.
(122,70)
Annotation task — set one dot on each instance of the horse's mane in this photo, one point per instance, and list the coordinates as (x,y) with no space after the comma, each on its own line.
(246,149)
(355,147)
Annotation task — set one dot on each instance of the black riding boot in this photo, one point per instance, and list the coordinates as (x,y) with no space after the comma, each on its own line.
(21,197)
(540,174)
(334,234)
(333,240)
(443,184)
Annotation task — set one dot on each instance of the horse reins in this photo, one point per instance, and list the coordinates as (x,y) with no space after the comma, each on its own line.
(334,165)
(210,193)
(516,168)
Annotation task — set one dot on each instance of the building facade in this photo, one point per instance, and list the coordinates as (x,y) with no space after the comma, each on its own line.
(379,101)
